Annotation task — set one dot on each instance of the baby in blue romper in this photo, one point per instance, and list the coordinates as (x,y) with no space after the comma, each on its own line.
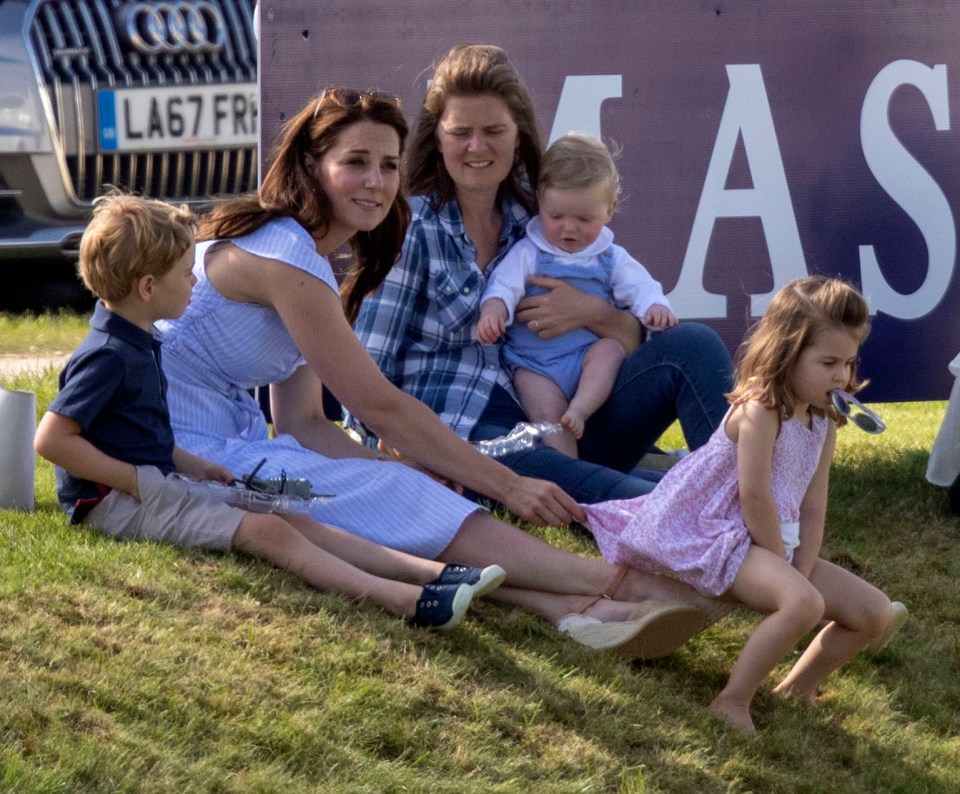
(565,378)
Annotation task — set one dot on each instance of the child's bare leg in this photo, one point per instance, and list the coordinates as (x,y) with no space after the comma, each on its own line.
(274,539)
(544,401)
(601,363)
(767,584)
(857,613)
(365,554)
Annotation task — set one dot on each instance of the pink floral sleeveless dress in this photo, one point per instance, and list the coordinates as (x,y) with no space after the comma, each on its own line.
(692,525)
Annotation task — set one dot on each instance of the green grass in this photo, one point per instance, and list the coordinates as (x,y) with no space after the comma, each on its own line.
(24,334)
(141,667)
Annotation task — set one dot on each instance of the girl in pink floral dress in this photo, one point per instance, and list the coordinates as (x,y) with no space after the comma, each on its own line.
(743,516)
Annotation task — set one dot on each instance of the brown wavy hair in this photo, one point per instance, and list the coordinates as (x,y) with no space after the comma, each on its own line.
(469,70)
(797,313)
(290,190)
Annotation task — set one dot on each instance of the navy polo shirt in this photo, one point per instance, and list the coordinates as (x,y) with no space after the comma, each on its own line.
(114,388)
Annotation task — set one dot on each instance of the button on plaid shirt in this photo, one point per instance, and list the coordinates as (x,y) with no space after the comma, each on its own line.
(420,325)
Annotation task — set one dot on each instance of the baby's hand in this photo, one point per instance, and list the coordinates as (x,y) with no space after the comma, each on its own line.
(493,321)
(659,317)
(489,329)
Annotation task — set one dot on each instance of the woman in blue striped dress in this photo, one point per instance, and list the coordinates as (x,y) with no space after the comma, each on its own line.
(266,309)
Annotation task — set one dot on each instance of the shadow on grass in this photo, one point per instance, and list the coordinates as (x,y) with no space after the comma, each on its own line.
(513,681)
(511,651)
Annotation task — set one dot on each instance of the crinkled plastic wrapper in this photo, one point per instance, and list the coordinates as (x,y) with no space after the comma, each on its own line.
(255,501)
(525,435)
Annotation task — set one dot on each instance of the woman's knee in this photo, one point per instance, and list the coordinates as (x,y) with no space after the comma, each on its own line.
(697,343)
(692,335)
(691,351)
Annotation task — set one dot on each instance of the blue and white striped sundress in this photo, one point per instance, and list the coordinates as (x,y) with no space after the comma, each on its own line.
(220,348)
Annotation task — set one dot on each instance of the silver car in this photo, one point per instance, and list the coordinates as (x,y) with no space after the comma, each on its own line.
(159,98)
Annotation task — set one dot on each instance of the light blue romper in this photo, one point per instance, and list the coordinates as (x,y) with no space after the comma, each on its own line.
(220,349)
(560,358)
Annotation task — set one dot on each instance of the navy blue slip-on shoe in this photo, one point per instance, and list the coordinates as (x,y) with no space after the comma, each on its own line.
(442,606)
(482,580)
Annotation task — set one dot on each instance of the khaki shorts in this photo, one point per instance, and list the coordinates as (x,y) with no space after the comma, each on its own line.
(167,511)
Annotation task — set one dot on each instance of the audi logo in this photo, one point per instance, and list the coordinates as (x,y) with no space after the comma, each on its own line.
(176,27)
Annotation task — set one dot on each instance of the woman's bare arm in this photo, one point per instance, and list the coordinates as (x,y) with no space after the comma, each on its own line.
(314,317)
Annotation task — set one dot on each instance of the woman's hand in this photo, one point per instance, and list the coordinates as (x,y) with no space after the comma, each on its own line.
(543,503)
(538,501)
(563,308)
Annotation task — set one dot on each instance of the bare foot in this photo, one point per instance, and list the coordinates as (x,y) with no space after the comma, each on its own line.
(735,715)
(806,698)
(573,422)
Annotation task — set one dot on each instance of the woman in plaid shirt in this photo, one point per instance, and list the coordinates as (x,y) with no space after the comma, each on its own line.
(473,166)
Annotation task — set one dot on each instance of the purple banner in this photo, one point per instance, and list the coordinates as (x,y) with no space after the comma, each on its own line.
(760,141)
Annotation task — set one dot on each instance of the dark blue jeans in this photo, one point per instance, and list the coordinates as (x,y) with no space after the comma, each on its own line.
(682,373)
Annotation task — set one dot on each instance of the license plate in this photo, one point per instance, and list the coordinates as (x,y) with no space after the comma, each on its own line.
(177,117)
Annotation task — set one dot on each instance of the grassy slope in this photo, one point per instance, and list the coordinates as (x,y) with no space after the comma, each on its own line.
(138,667)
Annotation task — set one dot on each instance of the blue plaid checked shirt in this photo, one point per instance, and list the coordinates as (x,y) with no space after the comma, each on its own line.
(420,325)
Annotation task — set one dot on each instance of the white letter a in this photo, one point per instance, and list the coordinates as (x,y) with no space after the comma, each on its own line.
(747,114)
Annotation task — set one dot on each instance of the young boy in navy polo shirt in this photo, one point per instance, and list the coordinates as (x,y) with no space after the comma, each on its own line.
(108,433)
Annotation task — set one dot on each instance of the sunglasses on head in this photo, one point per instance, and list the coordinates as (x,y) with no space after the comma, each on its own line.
(849,406)
(351,98)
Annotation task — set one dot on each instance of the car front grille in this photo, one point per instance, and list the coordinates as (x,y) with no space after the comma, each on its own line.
(79,51)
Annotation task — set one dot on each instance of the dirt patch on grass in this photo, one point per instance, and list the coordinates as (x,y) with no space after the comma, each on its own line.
(16,363)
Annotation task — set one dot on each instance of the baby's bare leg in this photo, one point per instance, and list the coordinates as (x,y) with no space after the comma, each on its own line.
(544,401)
(600,367)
